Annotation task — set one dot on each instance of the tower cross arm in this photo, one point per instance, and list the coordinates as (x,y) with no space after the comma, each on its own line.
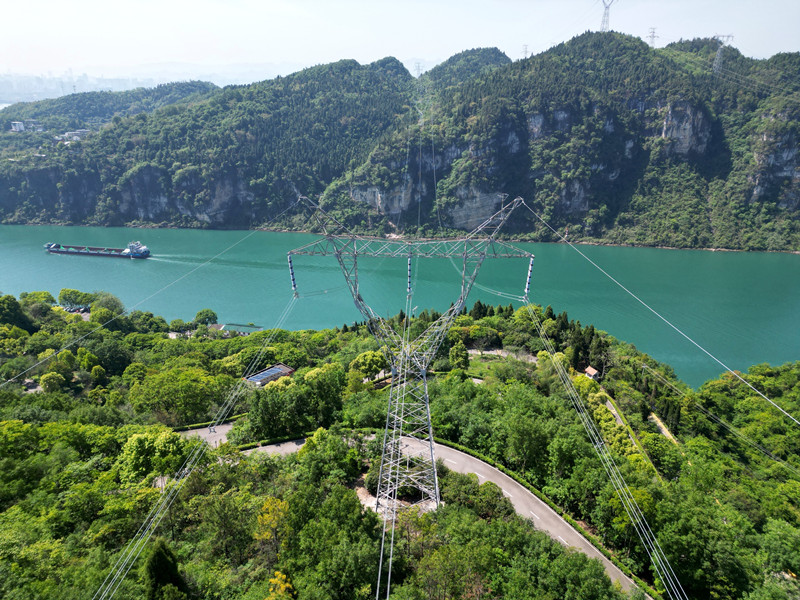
(362,246)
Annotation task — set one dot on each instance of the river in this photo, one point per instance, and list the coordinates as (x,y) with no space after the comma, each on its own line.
(741,307)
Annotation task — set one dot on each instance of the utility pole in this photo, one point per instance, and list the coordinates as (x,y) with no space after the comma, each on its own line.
(606,6)
(407,460)
(723,40)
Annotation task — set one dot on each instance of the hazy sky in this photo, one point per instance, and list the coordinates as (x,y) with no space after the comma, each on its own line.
(115,38)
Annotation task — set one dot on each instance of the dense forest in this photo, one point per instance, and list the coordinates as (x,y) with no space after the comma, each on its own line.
(90,403)
(607,139)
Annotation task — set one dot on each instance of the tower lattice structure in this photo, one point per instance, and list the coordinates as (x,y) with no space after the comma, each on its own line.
(408,462)
(606,10)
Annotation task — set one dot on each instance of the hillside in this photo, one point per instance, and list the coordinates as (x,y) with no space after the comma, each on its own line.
(229,160)
(89,109)
(81,455)
(607,139)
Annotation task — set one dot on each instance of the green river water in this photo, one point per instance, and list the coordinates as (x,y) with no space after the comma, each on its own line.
(742,307)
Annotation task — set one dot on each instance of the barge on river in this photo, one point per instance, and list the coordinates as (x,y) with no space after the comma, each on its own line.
(133,250)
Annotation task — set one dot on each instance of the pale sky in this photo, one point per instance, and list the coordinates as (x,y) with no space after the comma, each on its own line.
(127,38)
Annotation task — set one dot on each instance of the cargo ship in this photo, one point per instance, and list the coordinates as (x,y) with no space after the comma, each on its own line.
(133,250)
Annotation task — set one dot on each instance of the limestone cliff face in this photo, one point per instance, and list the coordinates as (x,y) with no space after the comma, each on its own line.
(151,195)
(475,207)
(146,194)
(471,177)
(687,129)
(777,169)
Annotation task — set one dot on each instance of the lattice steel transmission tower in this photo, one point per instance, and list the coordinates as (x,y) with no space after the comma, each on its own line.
(407,464)
(606,10)
(723,40)
(652,37)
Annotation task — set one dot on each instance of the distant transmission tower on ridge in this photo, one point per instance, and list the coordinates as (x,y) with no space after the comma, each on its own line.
(723,40)
(652,37)
(408,461)
(606,10)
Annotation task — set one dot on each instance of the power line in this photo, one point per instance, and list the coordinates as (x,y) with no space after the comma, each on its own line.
(646,535)
(749,441)
(663,318)
(131,552)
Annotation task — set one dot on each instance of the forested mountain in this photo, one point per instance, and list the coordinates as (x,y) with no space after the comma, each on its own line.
(615,140)
(227,161)
(607,139)
(463,66)
(89,109)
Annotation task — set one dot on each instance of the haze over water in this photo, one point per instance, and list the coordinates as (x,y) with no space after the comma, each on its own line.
(742,307)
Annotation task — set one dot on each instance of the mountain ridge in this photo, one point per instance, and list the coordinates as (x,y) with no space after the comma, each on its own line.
(611,141)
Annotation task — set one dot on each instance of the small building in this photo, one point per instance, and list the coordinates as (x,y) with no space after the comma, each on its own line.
(18,126)
(591,373)
(76,136)
(272,373)
(234,329)
(33,125)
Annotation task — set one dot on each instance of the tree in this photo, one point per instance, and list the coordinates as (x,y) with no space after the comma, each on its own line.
(98,375)
(280,588)
(326,384)
(108,301)
(206,317)
(28,299)
(370,363)
(273,526)
(179,395)
(459,357)
(52,382)
(11,313)
(153,451)
(134,373)
(72,298)
(178,325)
(160,570)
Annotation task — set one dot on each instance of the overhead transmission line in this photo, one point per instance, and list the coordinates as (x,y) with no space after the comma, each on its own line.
(746,439)
(660,563)
(718,69)
(135,546)
(664,319)
(645,533)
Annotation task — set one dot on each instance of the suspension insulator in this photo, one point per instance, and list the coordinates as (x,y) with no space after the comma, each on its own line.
(528,281)
(408,291)
(291,274)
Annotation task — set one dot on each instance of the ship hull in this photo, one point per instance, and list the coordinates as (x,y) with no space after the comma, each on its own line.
(96,251)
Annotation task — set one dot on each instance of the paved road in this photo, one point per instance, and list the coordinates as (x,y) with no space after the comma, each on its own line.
(525,503)
(212,438)
(220,436)
(529,506)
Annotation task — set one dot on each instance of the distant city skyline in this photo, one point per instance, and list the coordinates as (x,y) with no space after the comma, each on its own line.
(235,41)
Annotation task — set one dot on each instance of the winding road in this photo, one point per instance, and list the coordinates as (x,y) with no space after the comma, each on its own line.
(525,503)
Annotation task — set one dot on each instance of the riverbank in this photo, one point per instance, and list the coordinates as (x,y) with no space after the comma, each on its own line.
(741,306)
(400,236)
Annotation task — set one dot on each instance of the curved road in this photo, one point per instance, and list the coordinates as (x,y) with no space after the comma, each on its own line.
(525,503)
